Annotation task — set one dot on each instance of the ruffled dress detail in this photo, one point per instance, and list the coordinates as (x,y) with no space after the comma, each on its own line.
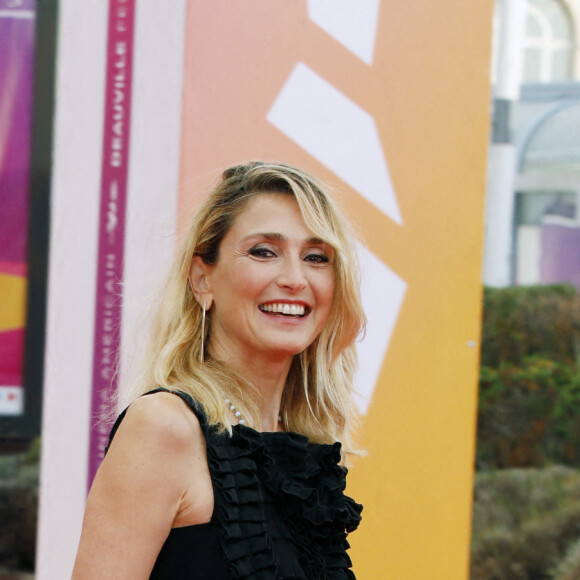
(252,470)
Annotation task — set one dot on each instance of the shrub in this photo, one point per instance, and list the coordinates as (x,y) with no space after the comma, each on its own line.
(530,320)
(18,506)
(525,521)
(529,387)
(569,568)
(528,414)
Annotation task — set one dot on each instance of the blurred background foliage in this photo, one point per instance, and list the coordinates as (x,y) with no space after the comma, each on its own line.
(526,512)
(18,512)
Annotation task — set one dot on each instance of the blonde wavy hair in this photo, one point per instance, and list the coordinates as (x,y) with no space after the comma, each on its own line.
(317,399)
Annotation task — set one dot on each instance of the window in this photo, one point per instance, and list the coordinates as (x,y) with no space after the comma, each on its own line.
(548,42)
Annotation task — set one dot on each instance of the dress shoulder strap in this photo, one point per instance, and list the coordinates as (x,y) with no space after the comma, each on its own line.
(195,407)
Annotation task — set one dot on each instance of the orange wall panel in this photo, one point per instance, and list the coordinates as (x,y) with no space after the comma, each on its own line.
(426,90)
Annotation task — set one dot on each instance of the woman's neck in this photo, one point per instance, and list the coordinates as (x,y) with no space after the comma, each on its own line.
(269,377)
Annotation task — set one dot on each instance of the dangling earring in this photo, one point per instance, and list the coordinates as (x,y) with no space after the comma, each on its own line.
(202,333)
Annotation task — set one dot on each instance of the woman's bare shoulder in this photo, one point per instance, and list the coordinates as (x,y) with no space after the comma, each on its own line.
(163,417)
(152,460)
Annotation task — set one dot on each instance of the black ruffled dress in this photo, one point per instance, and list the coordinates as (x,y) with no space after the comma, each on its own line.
(279,511)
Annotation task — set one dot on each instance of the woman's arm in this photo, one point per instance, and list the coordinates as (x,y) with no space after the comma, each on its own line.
(140,488)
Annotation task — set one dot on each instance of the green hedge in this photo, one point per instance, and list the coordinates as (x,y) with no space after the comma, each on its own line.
(530,320)
(526,524)
(529,388)
(18,511)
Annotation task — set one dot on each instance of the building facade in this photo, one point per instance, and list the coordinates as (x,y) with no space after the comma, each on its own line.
(542,233)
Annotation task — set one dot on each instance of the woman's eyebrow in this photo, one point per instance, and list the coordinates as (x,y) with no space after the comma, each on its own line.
(277,237)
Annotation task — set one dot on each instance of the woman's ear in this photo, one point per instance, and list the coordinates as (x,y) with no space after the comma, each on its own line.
(199,283)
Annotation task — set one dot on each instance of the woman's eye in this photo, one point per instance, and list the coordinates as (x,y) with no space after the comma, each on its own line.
(260,252)
(317,258)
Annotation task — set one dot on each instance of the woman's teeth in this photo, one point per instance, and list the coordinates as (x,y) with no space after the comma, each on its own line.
(287,309)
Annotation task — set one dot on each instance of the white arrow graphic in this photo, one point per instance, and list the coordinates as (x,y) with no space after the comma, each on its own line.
(337,132)
(382,295)
(353,23)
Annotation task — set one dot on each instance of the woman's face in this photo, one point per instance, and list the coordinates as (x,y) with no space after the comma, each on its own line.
(273,283)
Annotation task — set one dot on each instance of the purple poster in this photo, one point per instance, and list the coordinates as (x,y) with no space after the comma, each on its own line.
(16,72)
(560,258)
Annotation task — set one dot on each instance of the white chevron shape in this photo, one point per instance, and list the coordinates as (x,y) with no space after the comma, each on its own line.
(382,295)
(338,133)
(353,23)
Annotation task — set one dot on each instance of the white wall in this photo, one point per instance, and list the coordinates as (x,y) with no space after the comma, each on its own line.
(151,211)
(528,255)
(499,208)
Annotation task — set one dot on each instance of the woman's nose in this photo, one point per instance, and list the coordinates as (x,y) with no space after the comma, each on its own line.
(292,275)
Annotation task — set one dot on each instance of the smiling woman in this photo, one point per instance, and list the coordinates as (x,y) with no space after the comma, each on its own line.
(270,265)
(236,449)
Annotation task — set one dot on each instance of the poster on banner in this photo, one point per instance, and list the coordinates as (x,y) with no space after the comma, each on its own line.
(16,83)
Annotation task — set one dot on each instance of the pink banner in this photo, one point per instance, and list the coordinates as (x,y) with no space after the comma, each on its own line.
(112,223)
(16,79)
